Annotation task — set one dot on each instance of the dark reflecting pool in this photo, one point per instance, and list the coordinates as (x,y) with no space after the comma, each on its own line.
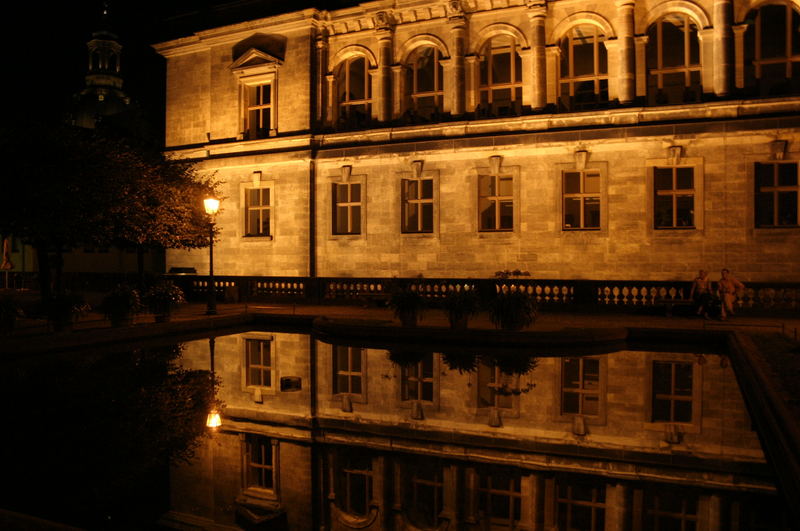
(319,435)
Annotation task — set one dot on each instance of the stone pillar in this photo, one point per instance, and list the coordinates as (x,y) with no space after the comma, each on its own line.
(640,43)
(333,108)
(617,507)
(627,53)
(320,101)
(399,103)
(553,56)
(738,46)
(537,10)
(473,81)
(713,513)
(612,52)
(705,39)
(722,47)
(457,77)
(383,99)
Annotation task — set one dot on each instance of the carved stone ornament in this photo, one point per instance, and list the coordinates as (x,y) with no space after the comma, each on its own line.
(454,8)
(383,20)
(674,154)
(346,171)
(581,156)
(778,149)
(417,167)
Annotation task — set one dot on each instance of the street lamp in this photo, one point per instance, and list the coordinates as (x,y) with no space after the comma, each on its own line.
(212,207)
(213,420)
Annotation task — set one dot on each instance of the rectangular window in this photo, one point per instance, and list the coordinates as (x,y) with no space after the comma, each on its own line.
(347,370)
(259,110)
(580,386)
(667,510)
(500,498)
(417,199)
(425,492)
(672,391)
(581,505)
(418,380)
(347,208)
(257,212)
(354,492)
(495,388)
(581,199)
(674,197)
(259,462)
(776,195)
(496,202)
(259,362)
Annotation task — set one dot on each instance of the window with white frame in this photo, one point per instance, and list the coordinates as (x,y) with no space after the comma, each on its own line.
(418,380)
(346,208)
(673,61)
(501,76)
(674,197)
(257,73)
(672,394)
(354,92)
(259,363)
(417,205)
(424,82)
(583,73)
(581,199)
(347,370)
(258,211)
(580,386)
(496,202)
(776,194)
(258,113)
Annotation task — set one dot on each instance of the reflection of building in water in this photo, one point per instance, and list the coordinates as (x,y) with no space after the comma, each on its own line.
(630,440)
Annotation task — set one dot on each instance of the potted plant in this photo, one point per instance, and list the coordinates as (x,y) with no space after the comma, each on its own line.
(512,310)
(407,303)
(63,310)
(460,304)
(121,305)
(161,298)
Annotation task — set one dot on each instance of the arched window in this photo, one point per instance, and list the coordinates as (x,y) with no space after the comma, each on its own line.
(772,50)
(501,76)
(583,76)
(354,92)
(424,82)
(673,61)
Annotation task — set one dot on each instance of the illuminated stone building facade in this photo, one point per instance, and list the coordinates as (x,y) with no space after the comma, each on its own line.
(331,436)
(610,140)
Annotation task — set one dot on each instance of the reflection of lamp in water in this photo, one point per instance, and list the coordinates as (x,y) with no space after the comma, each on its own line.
(213,420)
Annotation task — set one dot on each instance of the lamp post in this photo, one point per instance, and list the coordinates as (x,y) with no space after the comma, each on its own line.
(211,205)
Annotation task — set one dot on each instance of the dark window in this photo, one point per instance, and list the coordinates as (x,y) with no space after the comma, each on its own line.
(581,199)
(259,362)
(496,202)
(776,194)
(260,467)
(424,77)
(672,391)
(257,212)
(354,92)
(580,386)
(347,370)
(772,50)
(425,491)
(355,483)
(583,73)
(347,208)
(501,76)
(674,197)
(667,510)
(495,388)
(673,61)
(417,199)
(581,505)
(418,380)
(259,111)
(499,498)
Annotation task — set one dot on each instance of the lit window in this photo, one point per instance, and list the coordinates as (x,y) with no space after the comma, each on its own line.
(354,92)
(417,199)
(581,505)
(258,116)
(424,82)
(772,49)
(499,498)
(417,380)
(260,462)
(501,76)
(583,75)
(495,388)
(672,391)
(673,61)
(347,370)
(259,362)
(347,208)
(257,210)
(581,199)
(674,197)
(496,202)
(666,510)
(354,481)
(580,386)
(776,194)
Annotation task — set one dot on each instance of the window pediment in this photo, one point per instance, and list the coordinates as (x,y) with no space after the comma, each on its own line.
(254,62)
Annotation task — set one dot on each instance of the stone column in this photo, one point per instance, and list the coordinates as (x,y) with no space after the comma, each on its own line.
(333,110)
(553,56)
(722,47)
(713,513)
(399,103)
(705,39)
(738,46)
(641,65)
(537,10)
(472,76)
(458,46)
(627,54)
(320,100)
(383,99)
(617,507)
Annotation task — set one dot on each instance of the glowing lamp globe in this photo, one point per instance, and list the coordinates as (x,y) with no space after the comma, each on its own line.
(212,205)
(214,420)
